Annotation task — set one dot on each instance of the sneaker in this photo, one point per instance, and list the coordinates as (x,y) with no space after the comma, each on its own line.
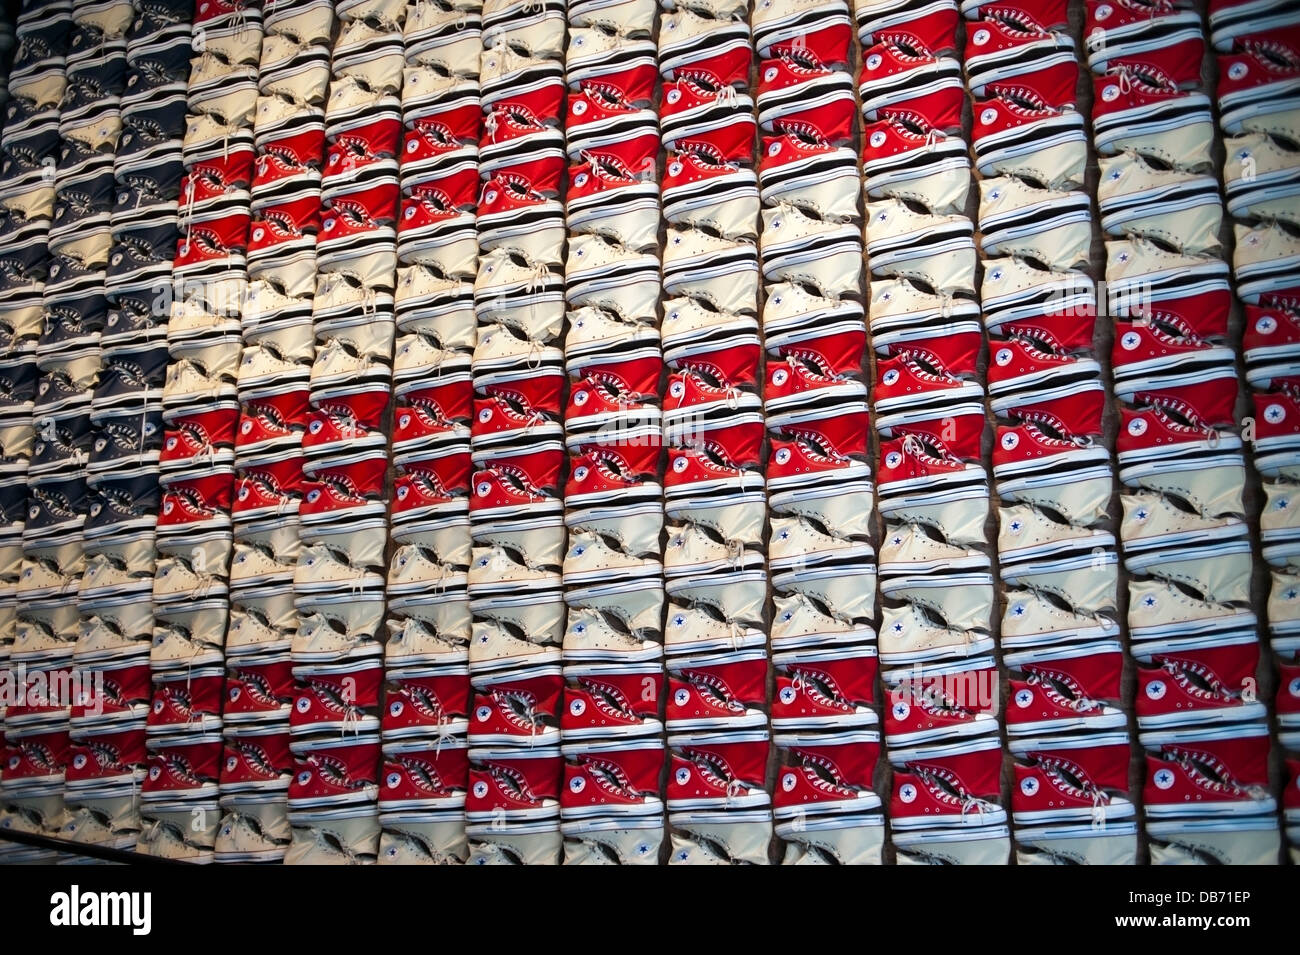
(688,40)
(824,773)
(1219,770)
(717,771)
(704,191)
(831,688)
(1029,137)
(1183,682)
(1136,197)
(956,783)
(700,108)
(897,75)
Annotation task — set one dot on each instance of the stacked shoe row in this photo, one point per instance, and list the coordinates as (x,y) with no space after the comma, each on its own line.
(1180,459)
(935,644)
(270,182)
(179,799)
(512,808)
(715,574)
(819,490)
(425,769)
(1057,562)
(1260,119)
(36,724)
(611,805)
(338,584)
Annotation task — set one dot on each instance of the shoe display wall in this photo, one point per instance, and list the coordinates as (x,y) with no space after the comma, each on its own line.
(605,432)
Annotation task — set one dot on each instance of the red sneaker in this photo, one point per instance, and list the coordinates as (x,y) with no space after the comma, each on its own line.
(340,699)
(1019,364)
(198,503)
(208,432)
(257,759)
(258,691)
(611,700)
(700,108)
(601,119)
(514,784)
(424,776)
(332,496)
(1143,36)
(960,429)
(1009,49)
(503,493)
(518,710)
(1072,781)
(825,689)
(272,421)
(927,714)
(826,774)
(1064,689)
(1144,348)
(110,755)
(336,772)
(355,161)
(909,78)
(185,766)
(1057,334)
(1147,433)
(190,702)
(955,348)
(346,423)
(424,425)
(1179,686)
(611,779)
(718,770)
(1214,771)
(603,475)
(954,785)
(269,486)
(718,691)
(125,695)
(800,89)
(799,462)
(426,704)
(904,384)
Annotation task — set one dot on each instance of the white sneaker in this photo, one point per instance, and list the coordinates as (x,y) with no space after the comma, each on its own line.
(1032,620)
(1264,259)
(1017,218)
(799,248)
(907,635)
(1181,209)
(723,272)
(906,549)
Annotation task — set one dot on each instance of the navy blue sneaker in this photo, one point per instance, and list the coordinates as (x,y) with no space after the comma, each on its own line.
(78,158)
(57,505)
(56,391)
(123,502)
(23,170)
(131,376)
(74,323)
(155,81)
(125,439)
(150,135)
(159,25)
(70,277)
(62,444)
(24,241)
(76,212)
(18,382)
(143,256)
(133,317)
(34,127)
(13,499)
